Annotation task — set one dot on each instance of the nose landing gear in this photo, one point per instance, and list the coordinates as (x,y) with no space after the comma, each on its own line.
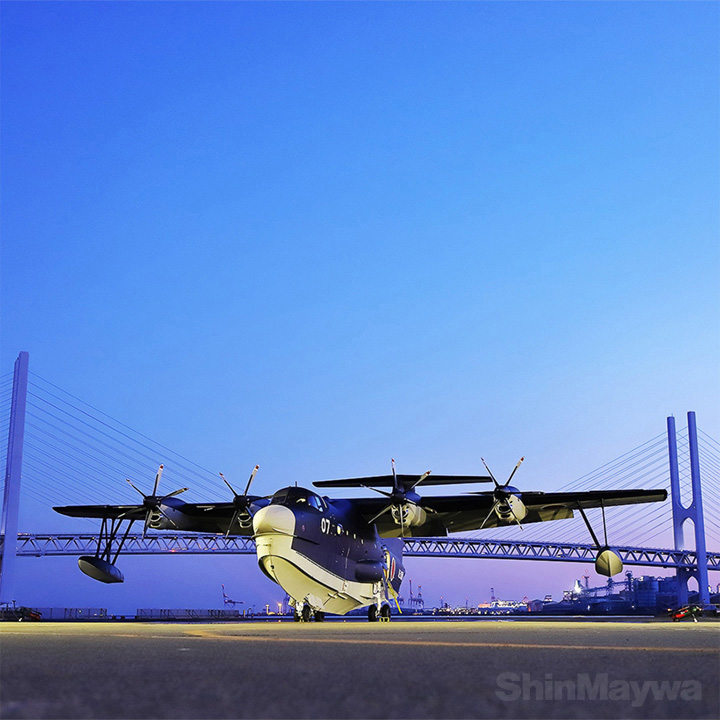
(307,614)
(381,615)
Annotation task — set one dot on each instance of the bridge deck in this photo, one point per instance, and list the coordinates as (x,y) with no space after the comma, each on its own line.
(37,545)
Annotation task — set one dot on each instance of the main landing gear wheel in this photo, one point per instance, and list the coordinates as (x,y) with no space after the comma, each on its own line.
(319,616)
(306,613)
(372,613)
(296,616)
(385,613)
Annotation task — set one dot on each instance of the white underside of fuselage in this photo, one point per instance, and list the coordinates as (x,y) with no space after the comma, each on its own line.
(307,582)
(303,579)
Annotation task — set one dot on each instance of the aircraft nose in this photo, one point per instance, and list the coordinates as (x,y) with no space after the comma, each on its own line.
(274,519)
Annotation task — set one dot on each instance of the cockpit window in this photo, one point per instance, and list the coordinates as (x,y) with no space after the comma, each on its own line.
(299,497)
(315,502)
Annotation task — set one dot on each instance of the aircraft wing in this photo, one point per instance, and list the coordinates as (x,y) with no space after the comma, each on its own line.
(108,512)
(196,517)
(462,513)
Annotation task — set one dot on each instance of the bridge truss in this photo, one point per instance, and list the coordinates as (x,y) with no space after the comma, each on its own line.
(197,544)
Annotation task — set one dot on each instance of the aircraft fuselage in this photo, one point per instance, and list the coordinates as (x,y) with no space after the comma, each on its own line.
(323,555)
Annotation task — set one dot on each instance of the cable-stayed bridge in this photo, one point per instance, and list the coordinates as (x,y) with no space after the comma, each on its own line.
(74,454)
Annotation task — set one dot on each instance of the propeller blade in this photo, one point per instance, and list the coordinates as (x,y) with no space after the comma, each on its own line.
(487,517)
(252,477)
(374,489)
(157,479)
(512,512)
(173,494)
(235,517)
(514,471)
(420,479)
(134,488)
(394,474)
(382,512)
(232,489)
(497,484)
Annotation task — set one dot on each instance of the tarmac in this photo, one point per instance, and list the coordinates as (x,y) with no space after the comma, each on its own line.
(489,669)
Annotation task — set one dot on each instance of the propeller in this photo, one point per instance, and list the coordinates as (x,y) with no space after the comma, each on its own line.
(153,502)
(399,498)
(241,503)
(504,496)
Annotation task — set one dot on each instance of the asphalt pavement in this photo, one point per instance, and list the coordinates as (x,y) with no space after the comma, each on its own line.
(492,669)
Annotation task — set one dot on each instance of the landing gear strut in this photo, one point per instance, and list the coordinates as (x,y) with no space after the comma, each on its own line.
(607,562)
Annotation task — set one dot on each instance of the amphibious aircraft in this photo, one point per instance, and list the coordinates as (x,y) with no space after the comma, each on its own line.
(335,555)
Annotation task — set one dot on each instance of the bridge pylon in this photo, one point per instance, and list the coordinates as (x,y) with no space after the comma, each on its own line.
(693,512)
(13,473)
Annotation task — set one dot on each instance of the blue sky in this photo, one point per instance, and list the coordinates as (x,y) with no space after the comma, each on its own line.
(317,235)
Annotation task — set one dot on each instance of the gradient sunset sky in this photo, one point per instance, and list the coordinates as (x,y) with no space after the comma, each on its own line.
(315,236)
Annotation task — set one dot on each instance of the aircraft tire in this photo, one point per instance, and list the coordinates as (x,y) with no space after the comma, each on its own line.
(296,616)
(372,613)
(306,613)
(385,612)
(319,616)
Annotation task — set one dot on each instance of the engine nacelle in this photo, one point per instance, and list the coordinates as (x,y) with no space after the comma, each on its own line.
(245,520)
(169,519)
(511,509)
(408,514)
